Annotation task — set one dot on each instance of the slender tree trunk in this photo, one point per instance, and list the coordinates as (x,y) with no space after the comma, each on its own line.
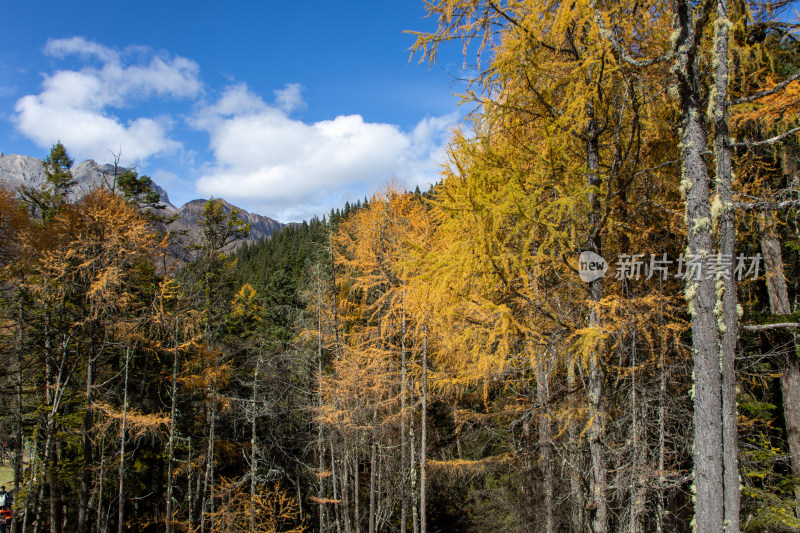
(596,431)
(191,500)
(320,451)
(253,448)
(173,413)
(373,474)
(335,489)
(19,445)
(729,320)
(357,491)
(51,455)
(423,446)
(700,289)
(414,476)
(345,489)
(576,460)
(789,364)
(208,478)
(637,499)
(122,430)
(403,424)
(662,479)
(88,461)
(101,480)
(545,441)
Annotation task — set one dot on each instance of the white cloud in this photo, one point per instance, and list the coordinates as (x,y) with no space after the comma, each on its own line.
(290,169)
(75,106)
(290,98)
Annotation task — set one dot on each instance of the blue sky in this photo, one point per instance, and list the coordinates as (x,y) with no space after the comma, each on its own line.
(284,109)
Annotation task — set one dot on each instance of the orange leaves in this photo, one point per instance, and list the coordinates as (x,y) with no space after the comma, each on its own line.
(269,510)
(137,424)
(775,110)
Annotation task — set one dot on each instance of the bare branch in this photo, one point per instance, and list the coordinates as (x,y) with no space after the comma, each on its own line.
(767,206)
(768,92)
(748,144)
(768,327)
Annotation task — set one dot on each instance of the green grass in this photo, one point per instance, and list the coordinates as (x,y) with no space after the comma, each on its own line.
(7,476)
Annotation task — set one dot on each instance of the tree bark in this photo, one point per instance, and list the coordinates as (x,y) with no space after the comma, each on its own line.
(403,423)
(122,430)
(173,413)
(545,442)
(423,446)
(88,462)
(700,293)
(575,467)
(253,448)
(599,505)
(729,319)
(373,474)
(789,365)
(19,445)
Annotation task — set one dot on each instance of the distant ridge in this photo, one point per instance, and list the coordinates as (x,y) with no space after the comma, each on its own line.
(17,170)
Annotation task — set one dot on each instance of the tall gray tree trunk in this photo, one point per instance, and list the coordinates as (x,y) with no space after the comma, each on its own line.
(208,479)
(337,509)
(19,445)
(253,448)
(545,441)
(599,505)
(403,424)
(423,446)
(789,365)
(729,318)
(373,474)
(88,461)
(173,413)
(122,430)
(577,499)
(320,450)
(700,289)
(101,475)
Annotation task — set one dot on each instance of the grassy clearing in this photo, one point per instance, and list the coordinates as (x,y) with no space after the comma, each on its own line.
(6,476)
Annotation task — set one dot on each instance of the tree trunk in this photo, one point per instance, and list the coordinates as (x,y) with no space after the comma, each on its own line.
(599,506)
(662,479)
(423,445)
(373,474)
(101,478)
(345,489)
(729,321)
(357,491)
(253,449)
(320,451)
(403,436)
(123,428)
(700,293)
(545,441)
(576,461)
(19,445)
(173,413)
(88,461)
(789,365)
(208,478)
(335,488)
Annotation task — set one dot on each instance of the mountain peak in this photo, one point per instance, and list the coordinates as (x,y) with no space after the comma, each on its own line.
(21,170)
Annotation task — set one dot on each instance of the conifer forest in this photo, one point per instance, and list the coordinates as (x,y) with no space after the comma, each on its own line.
(588,324)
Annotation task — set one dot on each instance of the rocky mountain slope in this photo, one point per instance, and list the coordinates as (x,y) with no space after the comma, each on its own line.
(17,170)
